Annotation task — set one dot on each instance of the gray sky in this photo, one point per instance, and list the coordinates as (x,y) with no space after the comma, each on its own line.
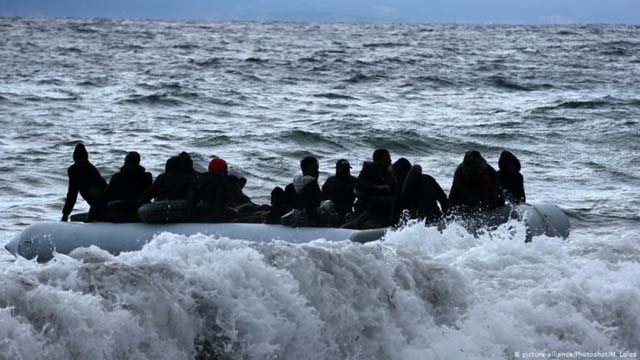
(467,11)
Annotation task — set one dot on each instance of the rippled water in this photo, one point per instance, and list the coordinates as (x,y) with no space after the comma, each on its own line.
(566,100)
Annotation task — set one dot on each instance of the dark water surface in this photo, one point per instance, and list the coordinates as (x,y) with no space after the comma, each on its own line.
(565,100)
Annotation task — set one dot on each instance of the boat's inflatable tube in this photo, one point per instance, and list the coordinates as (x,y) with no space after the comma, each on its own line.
(42,240)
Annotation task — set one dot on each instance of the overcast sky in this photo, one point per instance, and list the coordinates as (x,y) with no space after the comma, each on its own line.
(466,11)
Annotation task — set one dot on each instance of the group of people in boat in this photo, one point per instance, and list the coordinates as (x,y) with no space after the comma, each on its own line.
(383,193)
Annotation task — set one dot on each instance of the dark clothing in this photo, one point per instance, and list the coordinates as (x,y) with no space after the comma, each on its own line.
(85,179)
(420,195)
(173,184)
(475,189)
(279,206)
(512,186)
(215,194)
(511,181)
(214,189)
(372,176)
(339,189)
(429,195)
(375,189)
(304,193)
(128,184)
(170,186)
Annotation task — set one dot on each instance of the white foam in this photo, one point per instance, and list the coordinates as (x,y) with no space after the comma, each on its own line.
(419,294)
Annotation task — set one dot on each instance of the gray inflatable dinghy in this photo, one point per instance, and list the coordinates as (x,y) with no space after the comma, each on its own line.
(43,239)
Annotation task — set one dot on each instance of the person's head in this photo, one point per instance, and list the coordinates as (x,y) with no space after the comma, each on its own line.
(218,166)
(309,166)
(343,168)
(80,153)
(173,165)
(186,162)
(382,158)
(132,159)
(473,163)
(508,162)
(400,169)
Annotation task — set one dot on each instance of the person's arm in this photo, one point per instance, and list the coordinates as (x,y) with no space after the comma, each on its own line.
(328,189)
(151,192)
(72,196)
(441,197)
(521,194)
(455,195)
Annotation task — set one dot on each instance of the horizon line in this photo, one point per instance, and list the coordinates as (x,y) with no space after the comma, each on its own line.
(337,21)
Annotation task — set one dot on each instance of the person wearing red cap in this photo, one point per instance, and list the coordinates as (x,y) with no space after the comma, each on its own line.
(218,166)
(85,179)
(214,197)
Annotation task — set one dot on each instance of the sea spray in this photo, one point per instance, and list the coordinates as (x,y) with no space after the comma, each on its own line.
(421,293)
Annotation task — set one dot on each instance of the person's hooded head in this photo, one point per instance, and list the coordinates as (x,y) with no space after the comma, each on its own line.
(186,162)
(80,154)
(218,166)
(309,166)
(343,168)
(382,158)
(132,159)
(400,169)
(473,163)
(509,163)
(173,165)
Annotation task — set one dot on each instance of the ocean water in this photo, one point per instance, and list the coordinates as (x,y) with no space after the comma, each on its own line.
(565,100)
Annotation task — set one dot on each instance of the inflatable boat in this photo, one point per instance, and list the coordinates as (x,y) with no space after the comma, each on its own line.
(41,241)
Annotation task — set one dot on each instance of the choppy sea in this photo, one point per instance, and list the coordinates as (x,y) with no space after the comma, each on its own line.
(564,99)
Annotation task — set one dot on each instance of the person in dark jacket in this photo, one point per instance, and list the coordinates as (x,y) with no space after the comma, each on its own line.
(339,189)
(511,181)
(399,171)
(375,190)
(186,164)
(85,179)
(125,189)
(304,195)
(173,184)
(279,206)
(475,185)
(421,195)
(215,194)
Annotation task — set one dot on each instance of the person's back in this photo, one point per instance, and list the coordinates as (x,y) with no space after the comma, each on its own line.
(422,196)
(511,180)
(375,189)
(85,179)
(475,185)
(214,195)
(339,188)
(173,184)
(304,195)
(431,195)
(130,182)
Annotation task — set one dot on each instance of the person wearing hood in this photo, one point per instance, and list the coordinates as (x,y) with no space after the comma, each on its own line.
(85,179)
(304,195)
(173,184)
(475,185)
(186,164)
(375,189)
(125,189)
(214,198)
(422,196)
(399,171)
(511,180)
(339,189)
